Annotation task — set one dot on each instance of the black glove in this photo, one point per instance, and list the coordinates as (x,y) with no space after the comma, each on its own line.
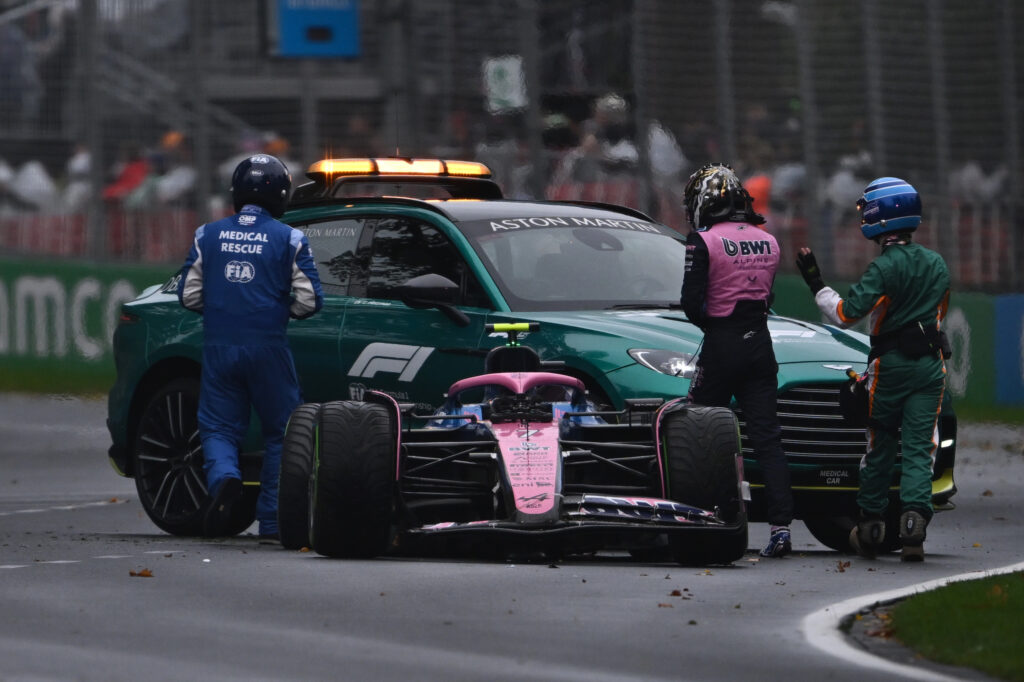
(809,269)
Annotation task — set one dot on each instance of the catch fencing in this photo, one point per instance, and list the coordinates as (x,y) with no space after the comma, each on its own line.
(121,120)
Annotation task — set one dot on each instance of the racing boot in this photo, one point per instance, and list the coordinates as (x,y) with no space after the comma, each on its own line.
(215,523)
(867,536)
(780,542)
(913,527)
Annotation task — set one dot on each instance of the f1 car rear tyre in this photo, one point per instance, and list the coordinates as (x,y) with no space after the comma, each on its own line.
(297,452)
(353,482)
(834,531)
(700,445)
(168,463)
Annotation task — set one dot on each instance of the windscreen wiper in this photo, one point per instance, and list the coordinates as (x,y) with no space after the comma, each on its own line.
(645,306)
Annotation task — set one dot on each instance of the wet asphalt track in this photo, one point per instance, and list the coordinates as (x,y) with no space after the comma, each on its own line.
(72,534)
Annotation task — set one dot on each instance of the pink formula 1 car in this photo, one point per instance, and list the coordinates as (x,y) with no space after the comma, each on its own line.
(516,460)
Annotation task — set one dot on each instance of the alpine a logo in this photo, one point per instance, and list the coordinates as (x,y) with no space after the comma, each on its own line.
(746,247)
(239,271)
(392,358)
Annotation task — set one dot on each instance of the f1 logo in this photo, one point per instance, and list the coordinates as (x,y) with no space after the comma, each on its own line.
(394,358)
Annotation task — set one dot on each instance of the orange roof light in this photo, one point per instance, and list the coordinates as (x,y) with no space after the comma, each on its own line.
(396,166)
(468,168)
(343,167)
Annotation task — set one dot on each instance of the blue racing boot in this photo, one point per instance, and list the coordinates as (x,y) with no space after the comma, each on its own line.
(218,516)
(780,542)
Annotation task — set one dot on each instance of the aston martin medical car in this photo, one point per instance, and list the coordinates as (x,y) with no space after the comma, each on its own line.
(416,258)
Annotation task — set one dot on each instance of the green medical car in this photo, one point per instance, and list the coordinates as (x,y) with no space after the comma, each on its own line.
(603,281)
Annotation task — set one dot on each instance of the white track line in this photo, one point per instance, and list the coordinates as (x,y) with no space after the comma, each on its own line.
(64,507)
(821,628)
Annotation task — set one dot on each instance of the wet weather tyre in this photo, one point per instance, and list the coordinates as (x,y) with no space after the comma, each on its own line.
(353,481)
(168,464)
(297,453)
(700,446)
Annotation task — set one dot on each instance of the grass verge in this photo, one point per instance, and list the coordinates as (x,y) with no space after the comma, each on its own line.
(975,624)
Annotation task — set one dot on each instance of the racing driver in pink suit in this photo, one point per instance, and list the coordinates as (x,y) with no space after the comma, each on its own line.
(730,270)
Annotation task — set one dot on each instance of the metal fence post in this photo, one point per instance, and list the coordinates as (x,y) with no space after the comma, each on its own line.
(528,40)
(819,232)
(723,68)
(873,73)
(641,118)
(200,110)
(940,215)
(1011,121)
(89,40)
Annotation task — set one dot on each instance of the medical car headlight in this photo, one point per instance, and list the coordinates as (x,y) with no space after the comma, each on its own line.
(669,362)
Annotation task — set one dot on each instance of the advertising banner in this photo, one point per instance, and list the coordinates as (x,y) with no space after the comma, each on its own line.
(985,332)
(1009,336)
(57,321)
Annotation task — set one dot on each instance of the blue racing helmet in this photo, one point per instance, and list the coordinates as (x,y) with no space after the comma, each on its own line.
(263,180)
(889,205)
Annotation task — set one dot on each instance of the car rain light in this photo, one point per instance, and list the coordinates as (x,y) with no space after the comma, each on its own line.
(668,362)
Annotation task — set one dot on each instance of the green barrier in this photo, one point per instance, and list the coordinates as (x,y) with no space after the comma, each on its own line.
(970,325)
(57,320)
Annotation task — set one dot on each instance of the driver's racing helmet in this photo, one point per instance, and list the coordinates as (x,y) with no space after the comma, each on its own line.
(889,205)
(263,180)
(715,194)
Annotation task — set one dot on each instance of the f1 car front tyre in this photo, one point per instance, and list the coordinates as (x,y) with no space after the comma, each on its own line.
(297,452)
(700,445)
(353,482)
(168,468)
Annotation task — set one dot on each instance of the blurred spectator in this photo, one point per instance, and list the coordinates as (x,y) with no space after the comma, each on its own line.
(31,188)
(248,143)
(275,145)
(669,172)
(267,142)
(613,132)
(970,185)
(176,185)
(788,183)
(361,141)
(499,149)
(130,172)
(78,183)
(845,186)
(606,147)
(8,203)
(756,174)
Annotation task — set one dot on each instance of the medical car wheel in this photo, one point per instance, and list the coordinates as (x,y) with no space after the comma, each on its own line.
(700,446)
(296,471)
(168,469)
(353,481)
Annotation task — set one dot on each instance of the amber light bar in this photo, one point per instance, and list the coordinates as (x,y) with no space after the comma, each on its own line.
(395,166)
